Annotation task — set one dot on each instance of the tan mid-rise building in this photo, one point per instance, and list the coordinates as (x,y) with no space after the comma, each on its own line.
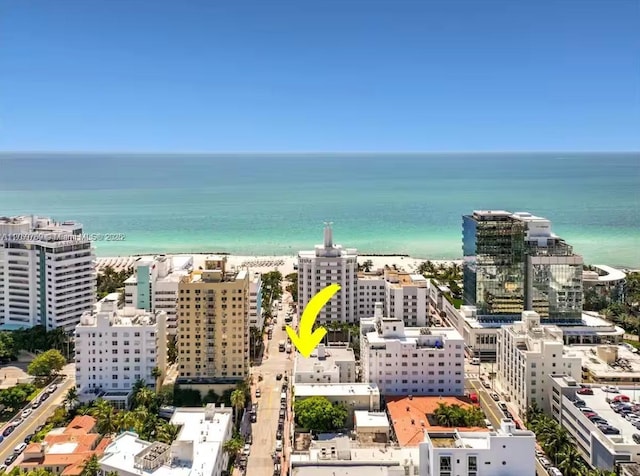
(213,335)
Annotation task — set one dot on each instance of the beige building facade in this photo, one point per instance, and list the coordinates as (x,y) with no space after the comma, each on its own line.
(213,334)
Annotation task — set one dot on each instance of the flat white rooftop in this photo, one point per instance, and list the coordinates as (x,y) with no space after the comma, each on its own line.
(371,419)
(207,436)
(627,365)
(334,389)
(413,334)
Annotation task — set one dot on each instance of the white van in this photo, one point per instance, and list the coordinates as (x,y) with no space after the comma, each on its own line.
(20,448)
(475,361)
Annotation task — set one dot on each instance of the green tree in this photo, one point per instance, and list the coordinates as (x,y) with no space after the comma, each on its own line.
(110,281)
(13,397)
(172,351)
(271,287)
(91,467)
(234,446)
(8,349)
(105,415)
(570,462)
(319,414)
(238,401)
(46,364)
(71,397)
(156,373)
(293,286)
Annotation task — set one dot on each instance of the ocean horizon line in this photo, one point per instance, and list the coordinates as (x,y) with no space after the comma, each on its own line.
(4,153)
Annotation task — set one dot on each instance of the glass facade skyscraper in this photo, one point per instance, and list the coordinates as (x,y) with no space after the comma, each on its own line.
(513,263)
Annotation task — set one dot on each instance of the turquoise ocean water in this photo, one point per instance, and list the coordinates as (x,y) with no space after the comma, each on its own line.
(276,204)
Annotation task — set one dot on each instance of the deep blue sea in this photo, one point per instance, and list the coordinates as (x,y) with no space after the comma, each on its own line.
(276,204)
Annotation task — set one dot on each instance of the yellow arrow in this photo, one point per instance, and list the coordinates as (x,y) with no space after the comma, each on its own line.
(306,341)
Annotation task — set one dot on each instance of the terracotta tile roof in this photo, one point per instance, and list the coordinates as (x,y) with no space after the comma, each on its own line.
(83,442)
(33,448)
(74,461)
(81,424)
(403,410)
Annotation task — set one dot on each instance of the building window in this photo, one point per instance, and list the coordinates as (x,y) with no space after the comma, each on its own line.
(473,466)
(445,465)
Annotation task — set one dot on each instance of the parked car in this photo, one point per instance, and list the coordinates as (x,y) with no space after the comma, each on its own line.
(10,459)
(26,412)
(258,393)
(19,448)
(52,388)
(247,449)
(28,438)
(585,391)
(586,410)
(279,445)
(3,468)
(495,396)
(8,430)
(636,438)
(553,471)
(545,462)
(279,435)
(279,377)
(621,398)
(610,389)
(35,404)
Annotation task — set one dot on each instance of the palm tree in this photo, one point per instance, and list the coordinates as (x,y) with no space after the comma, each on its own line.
(92,467)
(233,446)
(166,432)
(104,413)
(156,373)
(557,442)
(238,401)
(570,461)
(125,421)
(71,397)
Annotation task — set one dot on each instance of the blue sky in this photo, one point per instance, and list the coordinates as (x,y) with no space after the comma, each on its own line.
(329,75)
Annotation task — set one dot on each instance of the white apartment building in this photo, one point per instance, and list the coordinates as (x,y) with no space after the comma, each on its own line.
(47,273)
(154,285)
(256,317)
(508,451)
(528,353)
(334,364)
(116,347)
(406,297)
(416,361)
(197,450)
(325,265)
(371,286)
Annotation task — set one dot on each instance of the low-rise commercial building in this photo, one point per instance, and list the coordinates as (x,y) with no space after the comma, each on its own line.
(417,361)
(496,453)
(198,448)
(354,396)
(608,364)
(336,455)
(117,347)
(528,352)
(598,449)
(371,427)
(333,364)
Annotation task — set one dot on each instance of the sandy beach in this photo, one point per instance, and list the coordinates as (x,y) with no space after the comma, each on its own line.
(263,264)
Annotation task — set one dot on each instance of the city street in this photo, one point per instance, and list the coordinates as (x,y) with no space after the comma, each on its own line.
(261,459)
(38,416)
